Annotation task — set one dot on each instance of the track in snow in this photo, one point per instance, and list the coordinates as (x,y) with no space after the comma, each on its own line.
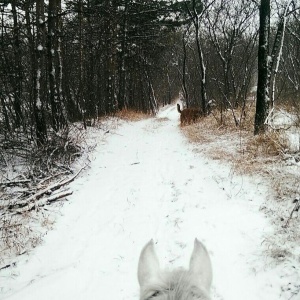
(147,182)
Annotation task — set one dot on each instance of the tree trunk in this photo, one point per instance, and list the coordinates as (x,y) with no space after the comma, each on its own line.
(263,82)
(58,61)
(39,80)
(184,87)
(277,50)
(81,96)
(122,68)
(18,67)
(51,48)
(203,73)
(194,14)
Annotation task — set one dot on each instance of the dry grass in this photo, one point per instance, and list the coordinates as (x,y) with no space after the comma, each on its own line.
(161,120)
(236,144)
(131,115)
(269,144)
(267,156)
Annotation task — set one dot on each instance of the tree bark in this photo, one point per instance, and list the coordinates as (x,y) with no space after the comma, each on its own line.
(18,67)
(40,82)
(51,48)
(195,19)
(184,58)
(122,103)
(263,82)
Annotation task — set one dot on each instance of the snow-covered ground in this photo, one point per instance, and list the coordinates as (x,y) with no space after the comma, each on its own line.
(282,120)
(144,182)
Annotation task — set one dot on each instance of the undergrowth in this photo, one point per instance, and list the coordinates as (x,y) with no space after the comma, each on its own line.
(270,156)
(30,181)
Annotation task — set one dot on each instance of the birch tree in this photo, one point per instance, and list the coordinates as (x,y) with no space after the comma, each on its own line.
(268,62)
(290,79)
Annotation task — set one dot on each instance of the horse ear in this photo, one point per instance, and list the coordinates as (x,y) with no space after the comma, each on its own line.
(200,266)
(148,264)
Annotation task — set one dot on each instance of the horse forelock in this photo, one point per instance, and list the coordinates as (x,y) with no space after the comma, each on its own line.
(176,285)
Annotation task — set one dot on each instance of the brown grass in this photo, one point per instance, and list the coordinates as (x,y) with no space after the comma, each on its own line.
(264,155)
(162,120)
(269,144)
(247,154)
(131,115)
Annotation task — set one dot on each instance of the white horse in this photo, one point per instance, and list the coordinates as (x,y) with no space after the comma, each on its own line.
(180,284)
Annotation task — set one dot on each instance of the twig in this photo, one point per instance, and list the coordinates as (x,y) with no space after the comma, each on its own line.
(45,201)
(8,266)
(50,177)
(8,183)
(295,209)
(58,196)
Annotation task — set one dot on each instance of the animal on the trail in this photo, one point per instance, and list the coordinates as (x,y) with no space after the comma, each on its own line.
(179,284)
(188,115)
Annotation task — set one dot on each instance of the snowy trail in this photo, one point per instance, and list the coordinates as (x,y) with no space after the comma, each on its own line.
(147,182)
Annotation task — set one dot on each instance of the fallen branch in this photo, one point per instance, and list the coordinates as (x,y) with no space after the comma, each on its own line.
(8,183)
(41,193)
(50,177)
(295,209)
(8,266)
(45,201)
(58,196)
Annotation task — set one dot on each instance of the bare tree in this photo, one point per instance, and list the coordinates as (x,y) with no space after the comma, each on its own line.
(51,48)
(233,40)
(40,85)
(263,82)
(290,78)
(268,63)
(196,10)
(18,65)
(276,53)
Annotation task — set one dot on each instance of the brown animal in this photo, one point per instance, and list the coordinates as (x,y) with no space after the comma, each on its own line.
(188,115)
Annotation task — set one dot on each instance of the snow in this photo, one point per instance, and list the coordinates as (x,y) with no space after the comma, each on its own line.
(286,122)
(39,103)
(146,181)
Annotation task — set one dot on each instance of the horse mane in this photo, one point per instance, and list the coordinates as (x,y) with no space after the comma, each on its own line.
(175,285)
(179,284)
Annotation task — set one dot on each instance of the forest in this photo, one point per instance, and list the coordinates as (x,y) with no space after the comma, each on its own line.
(68,61)
(69,68)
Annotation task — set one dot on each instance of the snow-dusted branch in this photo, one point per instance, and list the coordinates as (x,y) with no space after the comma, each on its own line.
(46,191)
(295,209)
